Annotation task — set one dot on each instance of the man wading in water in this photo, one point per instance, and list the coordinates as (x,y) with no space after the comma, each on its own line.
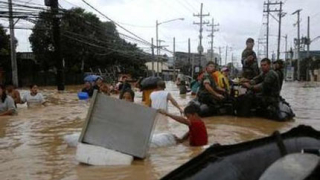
(160,98)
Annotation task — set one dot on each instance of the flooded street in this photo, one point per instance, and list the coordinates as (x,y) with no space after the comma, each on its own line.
(32,145)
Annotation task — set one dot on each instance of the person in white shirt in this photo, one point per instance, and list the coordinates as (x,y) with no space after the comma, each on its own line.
(7,106)
(33,98)
(160,98)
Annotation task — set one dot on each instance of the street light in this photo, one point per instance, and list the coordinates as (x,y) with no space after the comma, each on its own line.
(157,40)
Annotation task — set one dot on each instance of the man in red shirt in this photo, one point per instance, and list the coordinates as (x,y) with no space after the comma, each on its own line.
(197,130)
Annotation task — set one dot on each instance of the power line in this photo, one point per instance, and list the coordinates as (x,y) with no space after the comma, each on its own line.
(123,23)
(115,22)
(103,47)
(119,24)
(190,5)
(186,7)
(137,26)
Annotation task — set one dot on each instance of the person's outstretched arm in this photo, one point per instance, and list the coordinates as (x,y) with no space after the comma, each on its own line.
(179,119)
(183,138)
(213,92)
(8,112)
(174,102)
(10,107)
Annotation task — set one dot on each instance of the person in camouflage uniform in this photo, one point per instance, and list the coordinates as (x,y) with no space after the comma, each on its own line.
(266,87)
(208,92)
(278,67)
(250,67)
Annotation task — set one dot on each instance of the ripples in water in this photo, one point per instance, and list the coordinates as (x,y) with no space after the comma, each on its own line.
(32,146)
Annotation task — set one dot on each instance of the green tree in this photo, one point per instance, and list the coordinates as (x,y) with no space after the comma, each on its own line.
(4,42)
(4,49)
(84,40)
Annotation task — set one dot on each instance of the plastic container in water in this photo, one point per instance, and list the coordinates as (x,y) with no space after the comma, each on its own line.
(83,96)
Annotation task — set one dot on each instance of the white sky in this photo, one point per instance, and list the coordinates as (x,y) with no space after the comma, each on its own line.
(238,19)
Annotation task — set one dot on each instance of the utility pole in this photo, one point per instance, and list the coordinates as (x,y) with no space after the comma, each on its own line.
(157,43)
(189,55)
(157,40)
(152,51)
(220,54)
(226,55)
(14,65)
(226,58)
(298,40)
(174,59)
(261,43)
(291,56)
(192,72)
(286,47)
(308,47)
(201,23)
(279,31)
(280,15)
(212,30)
(232,64)
(57,43)
(267,35)
(159,57)
(308,38)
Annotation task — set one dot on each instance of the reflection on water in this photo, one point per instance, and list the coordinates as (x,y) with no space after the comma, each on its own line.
(31,144)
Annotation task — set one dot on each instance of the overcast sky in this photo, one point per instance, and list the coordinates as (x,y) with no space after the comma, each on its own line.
(238,19)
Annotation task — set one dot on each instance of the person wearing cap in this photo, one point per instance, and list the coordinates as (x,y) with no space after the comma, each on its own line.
(278,67)
(250,67)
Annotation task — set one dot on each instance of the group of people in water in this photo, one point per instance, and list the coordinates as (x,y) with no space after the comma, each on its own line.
(212,88)
(215,88)
(10,97)
(123,88)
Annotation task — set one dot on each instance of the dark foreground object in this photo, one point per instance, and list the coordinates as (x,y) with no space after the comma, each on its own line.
(248,160)
(244,106)
(294,167)
(149,83)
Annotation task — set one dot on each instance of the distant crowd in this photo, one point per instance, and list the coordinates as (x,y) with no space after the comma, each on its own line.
(211,87)
(123,88)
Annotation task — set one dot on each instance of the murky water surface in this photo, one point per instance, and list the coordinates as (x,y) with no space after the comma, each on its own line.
(32,146)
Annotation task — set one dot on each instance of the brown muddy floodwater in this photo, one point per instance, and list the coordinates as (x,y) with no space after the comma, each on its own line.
(32,145)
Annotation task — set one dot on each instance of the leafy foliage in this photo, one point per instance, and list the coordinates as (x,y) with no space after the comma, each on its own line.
(4,49)
(5,42)
(85,40)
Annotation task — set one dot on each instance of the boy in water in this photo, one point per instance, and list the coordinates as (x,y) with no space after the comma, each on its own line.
(197,130)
